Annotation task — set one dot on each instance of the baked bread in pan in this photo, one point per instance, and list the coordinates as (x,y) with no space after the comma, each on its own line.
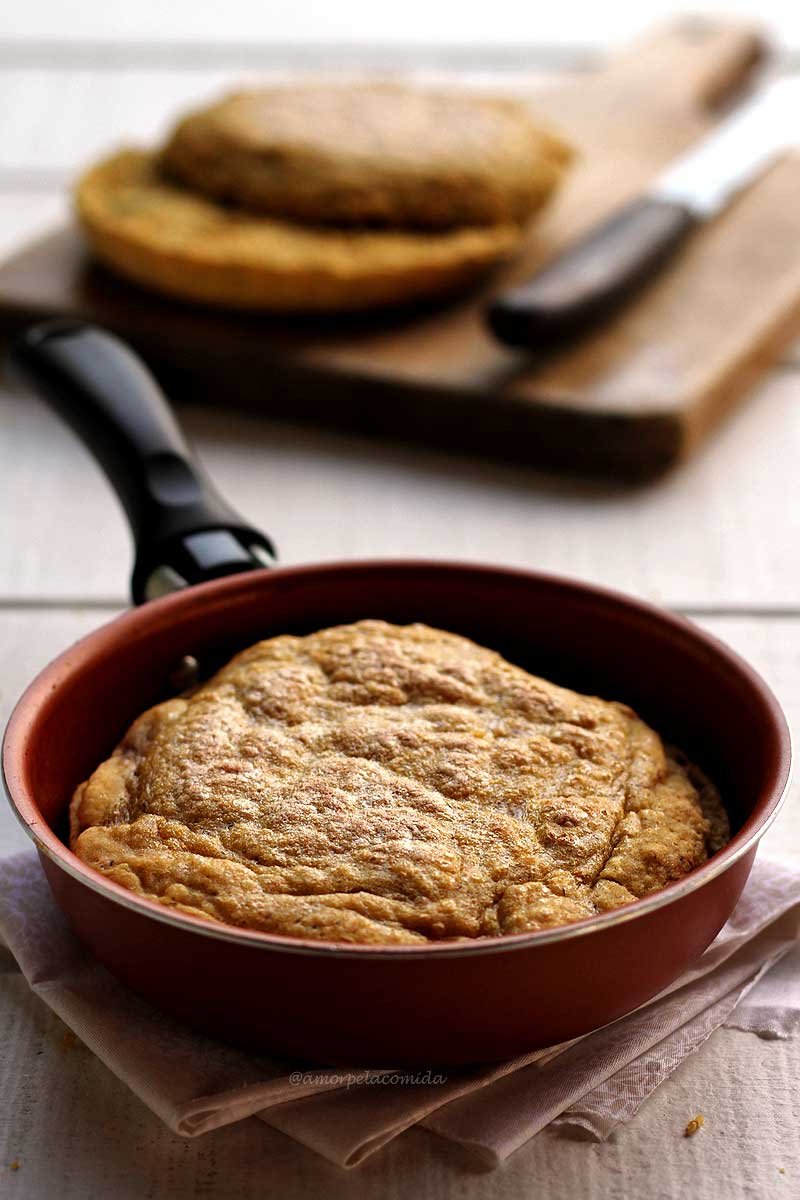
(369,153)
(373,783)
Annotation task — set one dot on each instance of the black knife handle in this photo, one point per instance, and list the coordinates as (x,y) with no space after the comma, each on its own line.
(586,283)
(183,530)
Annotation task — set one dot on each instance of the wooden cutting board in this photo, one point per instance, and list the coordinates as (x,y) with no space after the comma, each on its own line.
(627,401)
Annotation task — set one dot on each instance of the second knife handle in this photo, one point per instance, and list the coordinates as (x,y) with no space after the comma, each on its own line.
(584,285)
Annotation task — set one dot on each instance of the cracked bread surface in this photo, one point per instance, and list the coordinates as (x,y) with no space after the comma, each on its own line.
(384,784)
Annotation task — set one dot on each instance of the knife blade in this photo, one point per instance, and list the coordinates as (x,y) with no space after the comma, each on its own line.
(588,281)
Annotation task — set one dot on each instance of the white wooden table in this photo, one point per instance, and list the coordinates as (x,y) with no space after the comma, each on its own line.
(719,540)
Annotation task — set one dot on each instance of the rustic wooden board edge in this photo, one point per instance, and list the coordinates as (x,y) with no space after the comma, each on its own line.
(632,449)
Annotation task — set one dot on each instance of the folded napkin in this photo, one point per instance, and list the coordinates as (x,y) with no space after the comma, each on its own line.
(749,978)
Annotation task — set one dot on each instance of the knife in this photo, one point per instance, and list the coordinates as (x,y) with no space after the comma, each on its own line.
(589,280)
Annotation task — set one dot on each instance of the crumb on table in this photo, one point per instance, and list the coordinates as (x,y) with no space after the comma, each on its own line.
(693,1126)
(15,1165)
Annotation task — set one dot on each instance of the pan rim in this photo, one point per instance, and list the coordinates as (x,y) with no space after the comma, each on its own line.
(48,844)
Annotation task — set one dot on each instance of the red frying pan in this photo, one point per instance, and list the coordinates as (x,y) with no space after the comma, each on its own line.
(442,1003)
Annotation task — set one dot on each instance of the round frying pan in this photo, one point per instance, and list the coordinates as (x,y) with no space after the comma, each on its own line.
(445,1003)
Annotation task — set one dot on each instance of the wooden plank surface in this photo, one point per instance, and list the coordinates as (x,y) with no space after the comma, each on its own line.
(415,26)
(745,1087)
(718,536)
(720,531)
(26,213)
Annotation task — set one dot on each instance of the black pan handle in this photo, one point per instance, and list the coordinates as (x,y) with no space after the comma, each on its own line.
(586,284)
(184,532)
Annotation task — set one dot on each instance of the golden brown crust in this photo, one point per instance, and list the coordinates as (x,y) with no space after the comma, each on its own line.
(361,154)
(185,245)
(381,784)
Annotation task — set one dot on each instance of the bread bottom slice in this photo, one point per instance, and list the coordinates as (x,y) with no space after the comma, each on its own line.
(185,245)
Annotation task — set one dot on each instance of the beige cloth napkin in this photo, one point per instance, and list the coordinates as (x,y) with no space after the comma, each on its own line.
(749,978)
